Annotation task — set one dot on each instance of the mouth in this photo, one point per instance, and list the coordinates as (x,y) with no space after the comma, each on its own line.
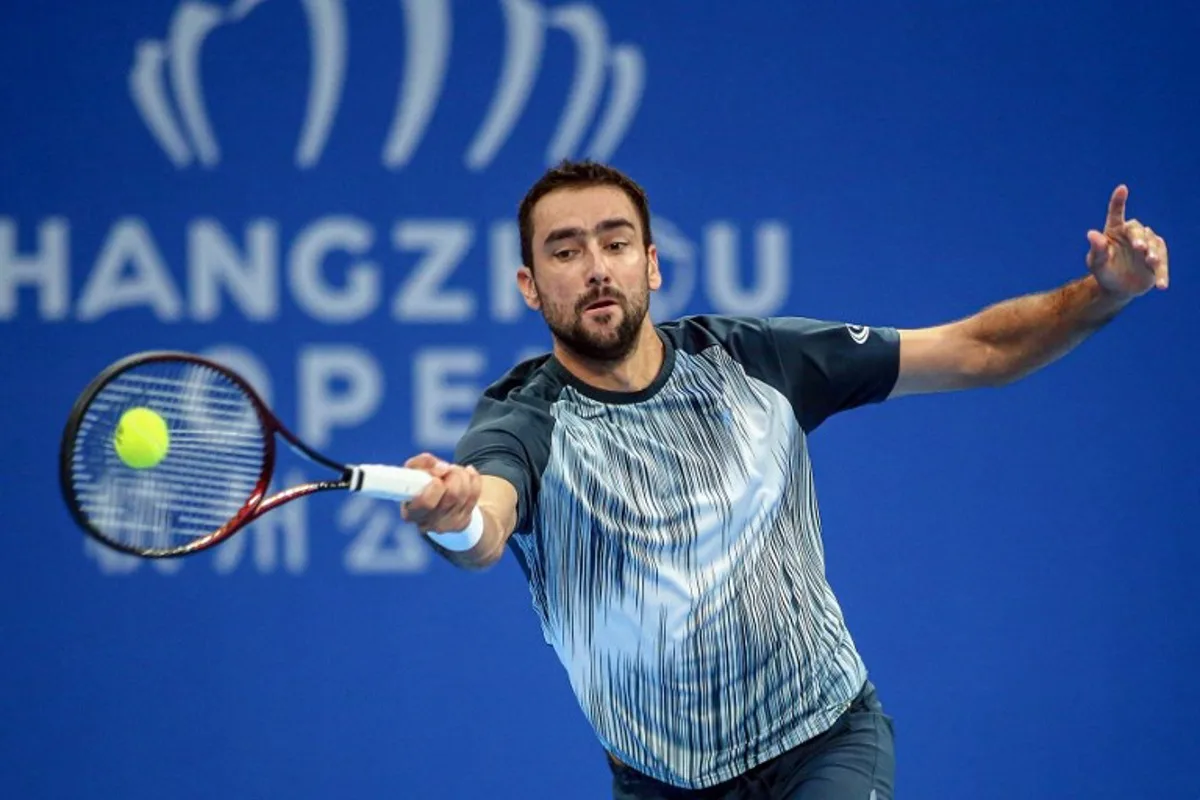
(603,304)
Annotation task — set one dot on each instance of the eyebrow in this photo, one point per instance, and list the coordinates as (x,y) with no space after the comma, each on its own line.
(559,234)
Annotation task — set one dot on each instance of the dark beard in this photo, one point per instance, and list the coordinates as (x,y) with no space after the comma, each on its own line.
(579,341)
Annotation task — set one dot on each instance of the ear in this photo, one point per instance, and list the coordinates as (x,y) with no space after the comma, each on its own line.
(528,288)
(653,276)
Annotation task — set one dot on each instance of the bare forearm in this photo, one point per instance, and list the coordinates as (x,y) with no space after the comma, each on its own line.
(1022,335)
(1009,340)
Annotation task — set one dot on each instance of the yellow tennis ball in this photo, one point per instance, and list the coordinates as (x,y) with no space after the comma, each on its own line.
(141,440)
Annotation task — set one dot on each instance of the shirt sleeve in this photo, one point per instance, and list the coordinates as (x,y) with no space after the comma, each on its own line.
(509,439)
(829,367)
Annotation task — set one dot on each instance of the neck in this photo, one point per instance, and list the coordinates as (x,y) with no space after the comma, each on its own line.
(633,373)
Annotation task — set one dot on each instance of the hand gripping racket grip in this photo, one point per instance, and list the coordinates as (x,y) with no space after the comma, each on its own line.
(400,484)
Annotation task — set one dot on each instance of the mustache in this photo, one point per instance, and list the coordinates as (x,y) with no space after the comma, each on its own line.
(598,295)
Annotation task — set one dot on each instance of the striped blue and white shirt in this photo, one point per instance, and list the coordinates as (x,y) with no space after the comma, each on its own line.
(672,541)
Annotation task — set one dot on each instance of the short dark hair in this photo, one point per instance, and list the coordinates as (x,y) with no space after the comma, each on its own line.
(578,175)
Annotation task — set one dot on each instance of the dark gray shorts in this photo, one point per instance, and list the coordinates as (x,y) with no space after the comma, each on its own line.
(853,760)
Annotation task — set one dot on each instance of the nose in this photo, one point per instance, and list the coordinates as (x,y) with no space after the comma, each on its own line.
(598,273)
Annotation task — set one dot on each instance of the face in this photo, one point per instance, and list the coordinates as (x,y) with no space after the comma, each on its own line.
(592,274)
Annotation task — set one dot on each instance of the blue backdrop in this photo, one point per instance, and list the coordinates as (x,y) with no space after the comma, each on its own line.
(323,194)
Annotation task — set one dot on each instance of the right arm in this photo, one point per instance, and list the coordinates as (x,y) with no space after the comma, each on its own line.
(446,504)
(497,467)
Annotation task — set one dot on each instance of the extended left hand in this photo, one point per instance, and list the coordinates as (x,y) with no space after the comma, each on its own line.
(1128,258)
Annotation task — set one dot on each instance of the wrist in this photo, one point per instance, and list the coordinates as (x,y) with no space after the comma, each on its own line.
(1105,303)
(463,540)
(458,541)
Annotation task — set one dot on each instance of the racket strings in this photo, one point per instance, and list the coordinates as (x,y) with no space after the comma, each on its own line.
(214,460)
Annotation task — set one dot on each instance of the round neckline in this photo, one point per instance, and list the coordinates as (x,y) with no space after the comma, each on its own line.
(615,396)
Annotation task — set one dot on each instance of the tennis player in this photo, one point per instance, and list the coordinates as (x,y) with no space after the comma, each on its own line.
(653,482)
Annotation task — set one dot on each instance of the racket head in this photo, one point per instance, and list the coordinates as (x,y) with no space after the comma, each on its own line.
(218,464)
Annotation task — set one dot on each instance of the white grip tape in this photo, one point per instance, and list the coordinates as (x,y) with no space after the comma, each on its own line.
(400,484)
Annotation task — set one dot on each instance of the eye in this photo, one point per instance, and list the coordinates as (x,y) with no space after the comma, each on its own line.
(617,247)
(563,255)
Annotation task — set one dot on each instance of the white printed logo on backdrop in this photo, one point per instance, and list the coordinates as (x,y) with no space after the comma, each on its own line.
(398,270)
(167,86)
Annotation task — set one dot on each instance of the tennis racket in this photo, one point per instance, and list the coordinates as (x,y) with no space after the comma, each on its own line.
(220,456)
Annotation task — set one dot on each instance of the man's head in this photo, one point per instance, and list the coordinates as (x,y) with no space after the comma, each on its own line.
(589,260)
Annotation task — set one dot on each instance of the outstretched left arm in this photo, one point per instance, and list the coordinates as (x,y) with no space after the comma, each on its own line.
(1010,340)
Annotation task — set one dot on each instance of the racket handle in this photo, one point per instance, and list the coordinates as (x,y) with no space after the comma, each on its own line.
(401,484)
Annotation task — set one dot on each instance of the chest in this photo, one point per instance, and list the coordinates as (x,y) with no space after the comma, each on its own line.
(679,461)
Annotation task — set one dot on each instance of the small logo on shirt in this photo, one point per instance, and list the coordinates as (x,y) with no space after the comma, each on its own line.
(859,333)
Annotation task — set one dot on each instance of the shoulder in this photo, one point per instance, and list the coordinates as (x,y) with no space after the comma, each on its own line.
(522,395)
(512,419)
(531,382)
(739,336)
